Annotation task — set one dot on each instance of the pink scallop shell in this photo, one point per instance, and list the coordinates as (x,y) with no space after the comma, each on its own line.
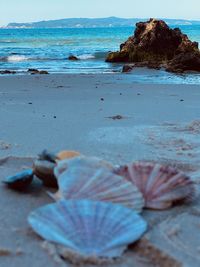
(161,186)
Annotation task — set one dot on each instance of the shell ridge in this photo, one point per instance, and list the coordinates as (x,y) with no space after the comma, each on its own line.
(174,180)
(174,194)
(89,183)
(132,176)
(43,228)
(69,186)
(128,237)
(175,184)
(152,178)
(114,192)
(99,181)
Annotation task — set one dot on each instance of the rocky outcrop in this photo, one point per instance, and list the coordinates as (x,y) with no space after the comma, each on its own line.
(36,71)
(115,57)
(155,44)
(185,62)
(7,72)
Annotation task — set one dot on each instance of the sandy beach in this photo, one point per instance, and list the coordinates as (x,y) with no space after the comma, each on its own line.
(104,115)
(72,111)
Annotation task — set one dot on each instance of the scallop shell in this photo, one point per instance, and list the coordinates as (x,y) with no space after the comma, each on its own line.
(90,229)
(91,178)
(161,186)
(67,154)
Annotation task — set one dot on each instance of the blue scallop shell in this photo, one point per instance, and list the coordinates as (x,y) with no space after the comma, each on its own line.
(88,228)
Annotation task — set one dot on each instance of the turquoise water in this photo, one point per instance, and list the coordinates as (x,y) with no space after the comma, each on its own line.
(48,49)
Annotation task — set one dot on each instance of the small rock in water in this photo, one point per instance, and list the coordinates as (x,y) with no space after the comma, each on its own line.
(116,117)
(36,71)
(7,72)
(43,72)
(20,181)
(73,58)
(33,71)
(128,68)
(4,145)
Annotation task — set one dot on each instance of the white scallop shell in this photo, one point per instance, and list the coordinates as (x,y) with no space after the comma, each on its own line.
(81,161)
(86,178)
(161,186)
(88,228)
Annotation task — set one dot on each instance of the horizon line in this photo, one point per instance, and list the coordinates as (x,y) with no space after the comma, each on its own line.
(127,18)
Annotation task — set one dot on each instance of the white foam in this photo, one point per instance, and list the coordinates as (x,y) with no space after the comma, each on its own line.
(15,58)
(86,56)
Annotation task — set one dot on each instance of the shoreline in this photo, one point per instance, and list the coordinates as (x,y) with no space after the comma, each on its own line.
(140,75)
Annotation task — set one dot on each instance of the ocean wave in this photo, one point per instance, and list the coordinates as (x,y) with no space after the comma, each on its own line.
(96,55)
(86,56)
(21,58)
(16,58)
(8,42)
(100,54)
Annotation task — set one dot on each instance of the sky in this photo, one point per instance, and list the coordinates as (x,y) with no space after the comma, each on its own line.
(36,10)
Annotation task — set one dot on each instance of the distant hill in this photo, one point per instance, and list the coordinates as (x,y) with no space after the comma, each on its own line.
(93,23)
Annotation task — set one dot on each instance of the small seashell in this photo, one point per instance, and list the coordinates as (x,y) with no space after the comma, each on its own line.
(161,186)
(20,181)
(92,178)
(48,156)
(88,228)
(44,170)
(65,154)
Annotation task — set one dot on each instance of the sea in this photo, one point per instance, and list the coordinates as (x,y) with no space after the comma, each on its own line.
(49,49)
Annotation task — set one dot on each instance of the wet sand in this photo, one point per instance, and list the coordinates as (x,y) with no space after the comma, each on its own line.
(107,116)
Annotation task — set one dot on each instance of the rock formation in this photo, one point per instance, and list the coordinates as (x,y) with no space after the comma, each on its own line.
(185,62)
(35,71)
(7,72)
(155,45)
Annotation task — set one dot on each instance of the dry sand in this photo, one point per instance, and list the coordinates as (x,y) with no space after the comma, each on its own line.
(107,116)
